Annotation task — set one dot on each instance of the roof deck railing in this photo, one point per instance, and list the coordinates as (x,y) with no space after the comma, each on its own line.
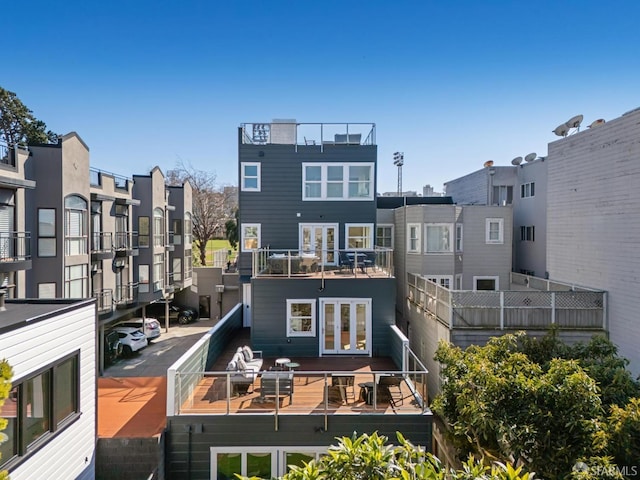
(353,262)
(320,135)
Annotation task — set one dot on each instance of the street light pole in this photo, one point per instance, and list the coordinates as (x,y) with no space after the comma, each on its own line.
(398,161)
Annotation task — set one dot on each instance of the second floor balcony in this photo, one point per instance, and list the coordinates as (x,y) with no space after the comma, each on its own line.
(125,296)
(126,243)
(104,301)
(101,245)
(15,251)
(348,263)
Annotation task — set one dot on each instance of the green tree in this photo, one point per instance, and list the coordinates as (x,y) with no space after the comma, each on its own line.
(500,405)
(370,457)
(212,204)
(18,126)
(623,430)
(5,387)
(231,230)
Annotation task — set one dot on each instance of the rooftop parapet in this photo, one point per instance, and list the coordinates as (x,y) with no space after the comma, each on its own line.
(290,132)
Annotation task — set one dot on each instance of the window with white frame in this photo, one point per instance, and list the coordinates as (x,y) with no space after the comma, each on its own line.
(528,233)
(188,228)
(384,236)
(502,195)
(76,281)
(358,235)
(158,271)
(528,190)
(442,280)
(158,228)
(495,230)
(250,236)
(413,238)
(301,318)
(458,237)
(250,176)
(337,181)
(438,238)
(75,211)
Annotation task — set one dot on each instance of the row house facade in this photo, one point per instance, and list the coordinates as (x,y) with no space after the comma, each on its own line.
(87,233)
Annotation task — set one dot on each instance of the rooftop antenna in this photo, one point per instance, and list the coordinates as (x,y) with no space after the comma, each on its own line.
(561,130)
(531,157)
(574,122)
(516,161)
(597,123)
(398,161)
(488,163)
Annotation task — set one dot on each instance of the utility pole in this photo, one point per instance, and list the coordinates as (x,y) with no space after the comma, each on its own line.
(398,161)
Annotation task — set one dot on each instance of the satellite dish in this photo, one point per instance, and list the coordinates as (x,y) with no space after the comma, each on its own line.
(516,161)
(574,122)
(561,130)
(597,123)
(531,157)
(488,163)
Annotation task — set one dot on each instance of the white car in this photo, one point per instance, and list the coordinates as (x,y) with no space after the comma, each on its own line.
(151,326)
(132,339)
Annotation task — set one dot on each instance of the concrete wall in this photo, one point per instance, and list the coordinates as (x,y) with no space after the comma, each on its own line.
(205,280)
(594,220)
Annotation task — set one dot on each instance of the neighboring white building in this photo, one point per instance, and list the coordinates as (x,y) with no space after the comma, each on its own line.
(51,347)
(593,220)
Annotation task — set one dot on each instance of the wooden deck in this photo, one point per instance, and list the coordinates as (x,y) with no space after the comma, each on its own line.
(317,389)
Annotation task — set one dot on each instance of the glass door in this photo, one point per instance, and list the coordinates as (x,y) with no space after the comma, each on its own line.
(346,326)
(320,239)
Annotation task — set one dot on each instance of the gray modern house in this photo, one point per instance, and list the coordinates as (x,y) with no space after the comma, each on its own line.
(318,311)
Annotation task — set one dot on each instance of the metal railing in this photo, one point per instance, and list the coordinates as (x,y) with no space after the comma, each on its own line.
(308,134)
(104,300)
(292,263)
(7,156)
(101,242)
(95,179)
(15,246)
(126,294)
(125,240)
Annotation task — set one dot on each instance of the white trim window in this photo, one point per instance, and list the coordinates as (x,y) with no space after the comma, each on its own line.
(528,190)
(413,238)
(491,283)
(384,235)
(442,280)
(438,238)
(495,230)
(337,181)
(301,318)
(250,172)
(358,235)
(459,237)
(250,237)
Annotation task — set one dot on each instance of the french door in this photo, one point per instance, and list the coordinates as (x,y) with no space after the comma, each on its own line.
(320,239)
(346,326)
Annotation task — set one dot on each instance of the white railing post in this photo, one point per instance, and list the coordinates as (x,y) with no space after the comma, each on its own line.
(553,308)
(502,310)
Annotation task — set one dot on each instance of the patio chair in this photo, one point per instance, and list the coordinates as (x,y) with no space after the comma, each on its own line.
(391,386)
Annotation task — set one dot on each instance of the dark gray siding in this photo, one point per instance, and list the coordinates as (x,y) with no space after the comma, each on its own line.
(189,455)
(269,303)
(277,205)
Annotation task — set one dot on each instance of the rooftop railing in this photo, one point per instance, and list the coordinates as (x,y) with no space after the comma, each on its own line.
(308,134)
(7,156)
(510,309)
(304,263)
(95,179)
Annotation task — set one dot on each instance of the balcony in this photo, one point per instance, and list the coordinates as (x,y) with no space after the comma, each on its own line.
(104,301)
(126,296)
(101,245)
(315,136)
(120,182)
(170,245)
(325,386)
(126,244)
(7,156)
(15,251)
(530,303)
(351,263)
(169,286)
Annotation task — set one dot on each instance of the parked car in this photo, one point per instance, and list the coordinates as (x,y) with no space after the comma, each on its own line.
(176,312)
(132,339)
(112,347)
(151,326)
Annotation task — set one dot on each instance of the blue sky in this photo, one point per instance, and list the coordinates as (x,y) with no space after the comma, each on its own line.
(451,84)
